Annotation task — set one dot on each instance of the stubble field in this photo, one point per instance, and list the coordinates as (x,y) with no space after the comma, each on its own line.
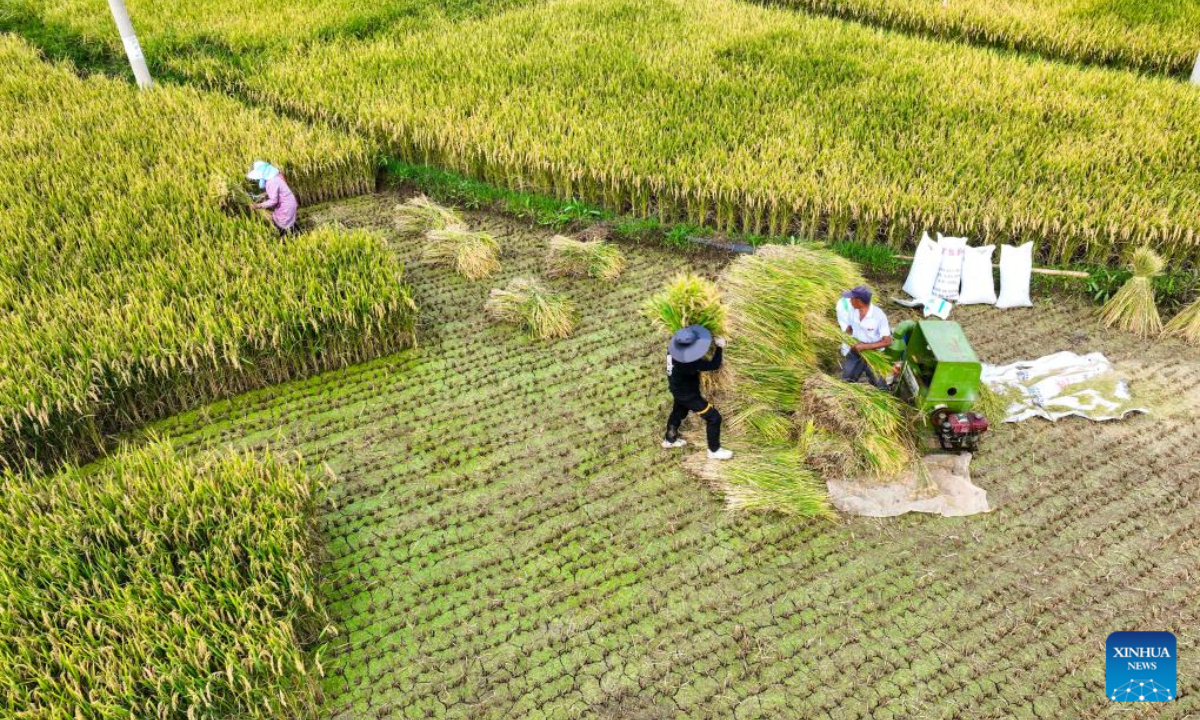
(506,538)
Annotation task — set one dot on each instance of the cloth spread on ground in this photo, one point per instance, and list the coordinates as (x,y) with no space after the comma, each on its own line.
(1062,385)
(947,490)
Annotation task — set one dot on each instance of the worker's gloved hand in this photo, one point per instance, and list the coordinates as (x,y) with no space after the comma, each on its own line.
(720,342)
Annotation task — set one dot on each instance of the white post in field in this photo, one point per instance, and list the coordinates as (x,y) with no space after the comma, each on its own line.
(133,48)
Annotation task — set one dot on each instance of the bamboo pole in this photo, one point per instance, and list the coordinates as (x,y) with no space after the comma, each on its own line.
(1039,271)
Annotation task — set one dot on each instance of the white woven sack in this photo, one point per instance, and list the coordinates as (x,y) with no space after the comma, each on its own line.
(978,284)
(924,270)
(938,307)
(1016,268)
(949,277)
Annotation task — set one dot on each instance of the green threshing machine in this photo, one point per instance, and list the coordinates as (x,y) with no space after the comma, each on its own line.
(940,374)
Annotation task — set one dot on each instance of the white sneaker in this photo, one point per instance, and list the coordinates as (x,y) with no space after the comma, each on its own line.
(667,444)
(720,454)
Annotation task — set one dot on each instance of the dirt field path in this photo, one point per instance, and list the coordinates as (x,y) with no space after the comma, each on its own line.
(510,542)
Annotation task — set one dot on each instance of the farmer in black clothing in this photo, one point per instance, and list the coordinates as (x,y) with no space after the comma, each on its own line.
(685,362)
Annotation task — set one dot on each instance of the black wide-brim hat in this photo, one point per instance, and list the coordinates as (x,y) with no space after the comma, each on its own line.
(690,344)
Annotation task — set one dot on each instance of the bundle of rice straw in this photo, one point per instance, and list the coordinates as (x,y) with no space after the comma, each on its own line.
(781,309)
(229,195)
(474,255)
(687,300)
(876,425)
(419,215)
(530,304)
(1186,325)
(1132,307)
(576,258)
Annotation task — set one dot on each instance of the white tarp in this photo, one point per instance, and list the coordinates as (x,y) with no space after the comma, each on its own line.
(1062,385)
(945,490)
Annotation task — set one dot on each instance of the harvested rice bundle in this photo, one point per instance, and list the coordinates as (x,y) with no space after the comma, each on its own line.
(420,215)
(474,255)
(774,479)
(812,426)
(688,300)
(576,258)
(529,303)
(229,195)
(1132,308)
(760,421)
(781,302)
(878,426)
(1186,325)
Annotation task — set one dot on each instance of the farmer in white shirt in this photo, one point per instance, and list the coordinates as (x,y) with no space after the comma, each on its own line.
(870,328)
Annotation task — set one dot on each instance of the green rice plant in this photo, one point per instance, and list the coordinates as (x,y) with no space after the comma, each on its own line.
(1186,324)
(527,302)
(774,122)
(418,216)
(688,299)
(474,255)
(154,585)
(130,293)
(569,257)
(1132,308)
(1157,36)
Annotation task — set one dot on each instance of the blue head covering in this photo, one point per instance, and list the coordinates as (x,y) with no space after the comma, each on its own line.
(262,171)
(690,343)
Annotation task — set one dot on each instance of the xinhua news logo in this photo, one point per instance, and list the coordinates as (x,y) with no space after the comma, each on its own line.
(1141,667)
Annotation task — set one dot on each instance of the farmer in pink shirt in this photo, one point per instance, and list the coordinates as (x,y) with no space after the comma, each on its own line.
(278,197)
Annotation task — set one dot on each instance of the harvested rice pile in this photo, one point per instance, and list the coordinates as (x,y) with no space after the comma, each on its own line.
(578,258)
(527,302)
(474,255)
(690,299)
(420,215)
(1132,308)
(787,402)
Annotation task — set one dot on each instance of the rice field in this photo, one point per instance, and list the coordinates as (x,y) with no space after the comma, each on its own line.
(128,293)
(156,585)
(507,539)
(218,41)
(765,120)
(1154,36)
